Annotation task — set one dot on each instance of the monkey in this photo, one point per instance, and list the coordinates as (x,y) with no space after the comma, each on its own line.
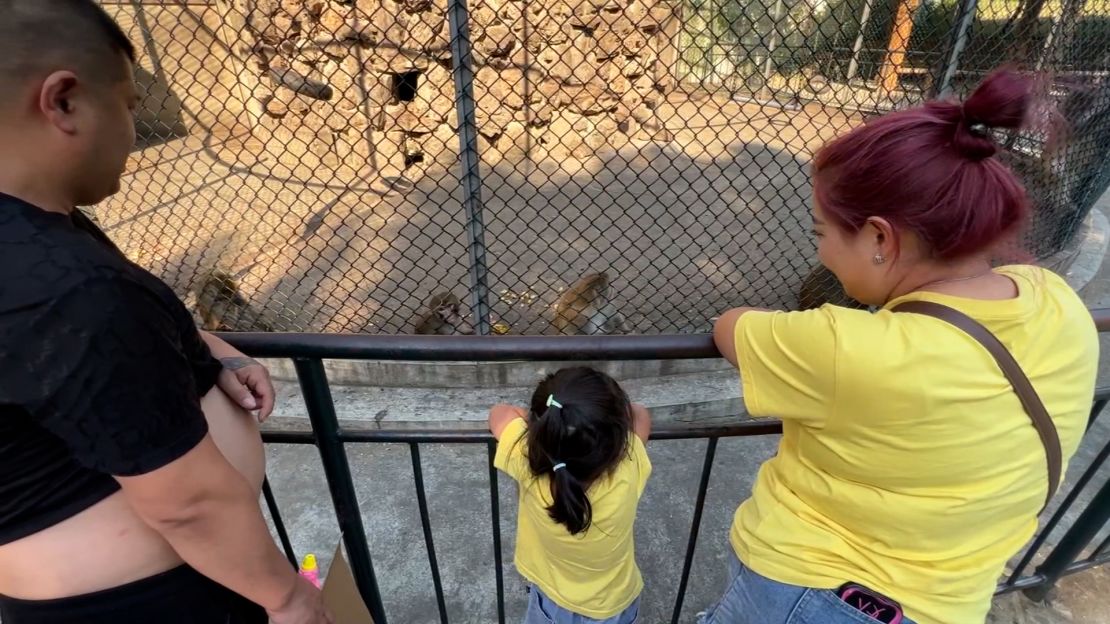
(222,307)
(585,308)
(821,287)
(442,317)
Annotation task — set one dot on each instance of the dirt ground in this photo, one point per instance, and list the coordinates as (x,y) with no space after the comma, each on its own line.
(718,216)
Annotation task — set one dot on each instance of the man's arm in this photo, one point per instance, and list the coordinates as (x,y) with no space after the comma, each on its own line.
(103,369)
(208,513)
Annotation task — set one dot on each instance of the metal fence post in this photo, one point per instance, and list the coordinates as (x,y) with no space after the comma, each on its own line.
(321,411)
(865,17)
(1086,527)
(470,161)
(965,17)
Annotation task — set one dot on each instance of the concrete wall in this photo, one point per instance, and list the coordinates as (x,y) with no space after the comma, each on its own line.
(186,73)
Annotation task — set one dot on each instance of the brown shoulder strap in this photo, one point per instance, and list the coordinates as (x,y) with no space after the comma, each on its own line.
(1024,389)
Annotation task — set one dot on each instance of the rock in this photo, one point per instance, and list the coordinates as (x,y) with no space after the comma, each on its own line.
(636,13)
(634,43)
(609,45)
(266,7)
(585,16)
(299,106)
(418,124)
(643,85)
(596,140)
(538,115)
(658,15)
(292,7)
(621,86)
(507,93)
(483,14)
(634,68)
(642,114)
(276,108)
(416,6)
(333,21)
(391,61)
(619,24)
(286,25)
(363,31)
(606,125)
(496,41)
(514,133)
(548,88)
(428,33)
(593,100)
(491,121)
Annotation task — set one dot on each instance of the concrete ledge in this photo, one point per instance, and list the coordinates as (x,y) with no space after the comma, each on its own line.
(702,398)
(437,375)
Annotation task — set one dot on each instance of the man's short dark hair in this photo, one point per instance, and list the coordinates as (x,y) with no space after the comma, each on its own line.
(40,36)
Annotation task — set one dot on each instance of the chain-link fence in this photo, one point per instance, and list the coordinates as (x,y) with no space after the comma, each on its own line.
(359,166)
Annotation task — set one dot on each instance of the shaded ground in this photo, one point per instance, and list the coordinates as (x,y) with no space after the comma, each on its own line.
(716,217)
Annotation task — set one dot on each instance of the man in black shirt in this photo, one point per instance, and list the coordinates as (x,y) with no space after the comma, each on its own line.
(105,381)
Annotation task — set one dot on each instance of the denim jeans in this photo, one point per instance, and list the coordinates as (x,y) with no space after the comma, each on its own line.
(541,610)
(753,599)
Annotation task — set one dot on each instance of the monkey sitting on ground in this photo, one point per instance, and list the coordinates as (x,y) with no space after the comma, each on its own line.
(443,317)
(222,307)
(585,308)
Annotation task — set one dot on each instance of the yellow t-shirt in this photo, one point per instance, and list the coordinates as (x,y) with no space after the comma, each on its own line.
(907,463)
(593,573)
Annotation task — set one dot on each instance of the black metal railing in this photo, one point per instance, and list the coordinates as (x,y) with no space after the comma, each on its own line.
(309,350)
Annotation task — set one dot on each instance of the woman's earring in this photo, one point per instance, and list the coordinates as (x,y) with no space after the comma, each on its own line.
(878,259)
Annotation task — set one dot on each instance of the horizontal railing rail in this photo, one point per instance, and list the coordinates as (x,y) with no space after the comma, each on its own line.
(309,350)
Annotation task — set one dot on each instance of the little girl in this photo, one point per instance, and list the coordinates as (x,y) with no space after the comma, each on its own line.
(578,456)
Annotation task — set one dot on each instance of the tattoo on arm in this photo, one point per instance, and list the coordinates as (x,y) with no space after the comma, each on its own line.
(235,363)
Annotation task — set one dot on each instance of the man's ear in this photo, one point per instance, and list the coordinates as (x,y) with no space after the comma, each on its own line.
(57,101)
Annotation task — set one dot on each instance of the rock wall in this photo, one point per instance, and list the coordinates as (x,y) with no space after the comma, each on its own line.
(185,72)
(368,84)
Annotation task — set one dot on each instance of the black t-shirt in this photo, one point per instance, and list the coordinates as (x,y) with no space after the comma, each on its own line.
(101,369)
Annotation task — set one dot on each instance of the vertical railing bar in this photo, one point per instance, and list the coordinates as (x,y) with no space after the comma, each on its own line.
(1086,527)
(1065,505)
(695,525)
(426,523)
(1096,409)
(337,471)
(495,512)
(279,524)
(1101,548)
(965,19)
(469,161)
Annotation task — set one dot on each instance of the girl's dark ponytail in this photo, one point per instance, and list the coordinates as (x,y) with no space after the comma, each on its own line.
(579,430)
(570,504)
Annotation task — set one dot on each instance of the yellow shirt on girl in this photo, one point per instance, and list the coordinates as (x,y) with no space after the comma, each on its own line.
(907,463)
(593,573)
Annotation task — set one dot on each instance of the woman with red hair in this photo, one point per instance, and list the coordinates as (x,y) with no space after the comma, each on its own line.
(914,459)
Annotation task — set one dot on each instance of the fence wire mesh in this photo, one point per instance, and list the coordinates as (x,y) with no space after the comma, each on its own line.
(541,165)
